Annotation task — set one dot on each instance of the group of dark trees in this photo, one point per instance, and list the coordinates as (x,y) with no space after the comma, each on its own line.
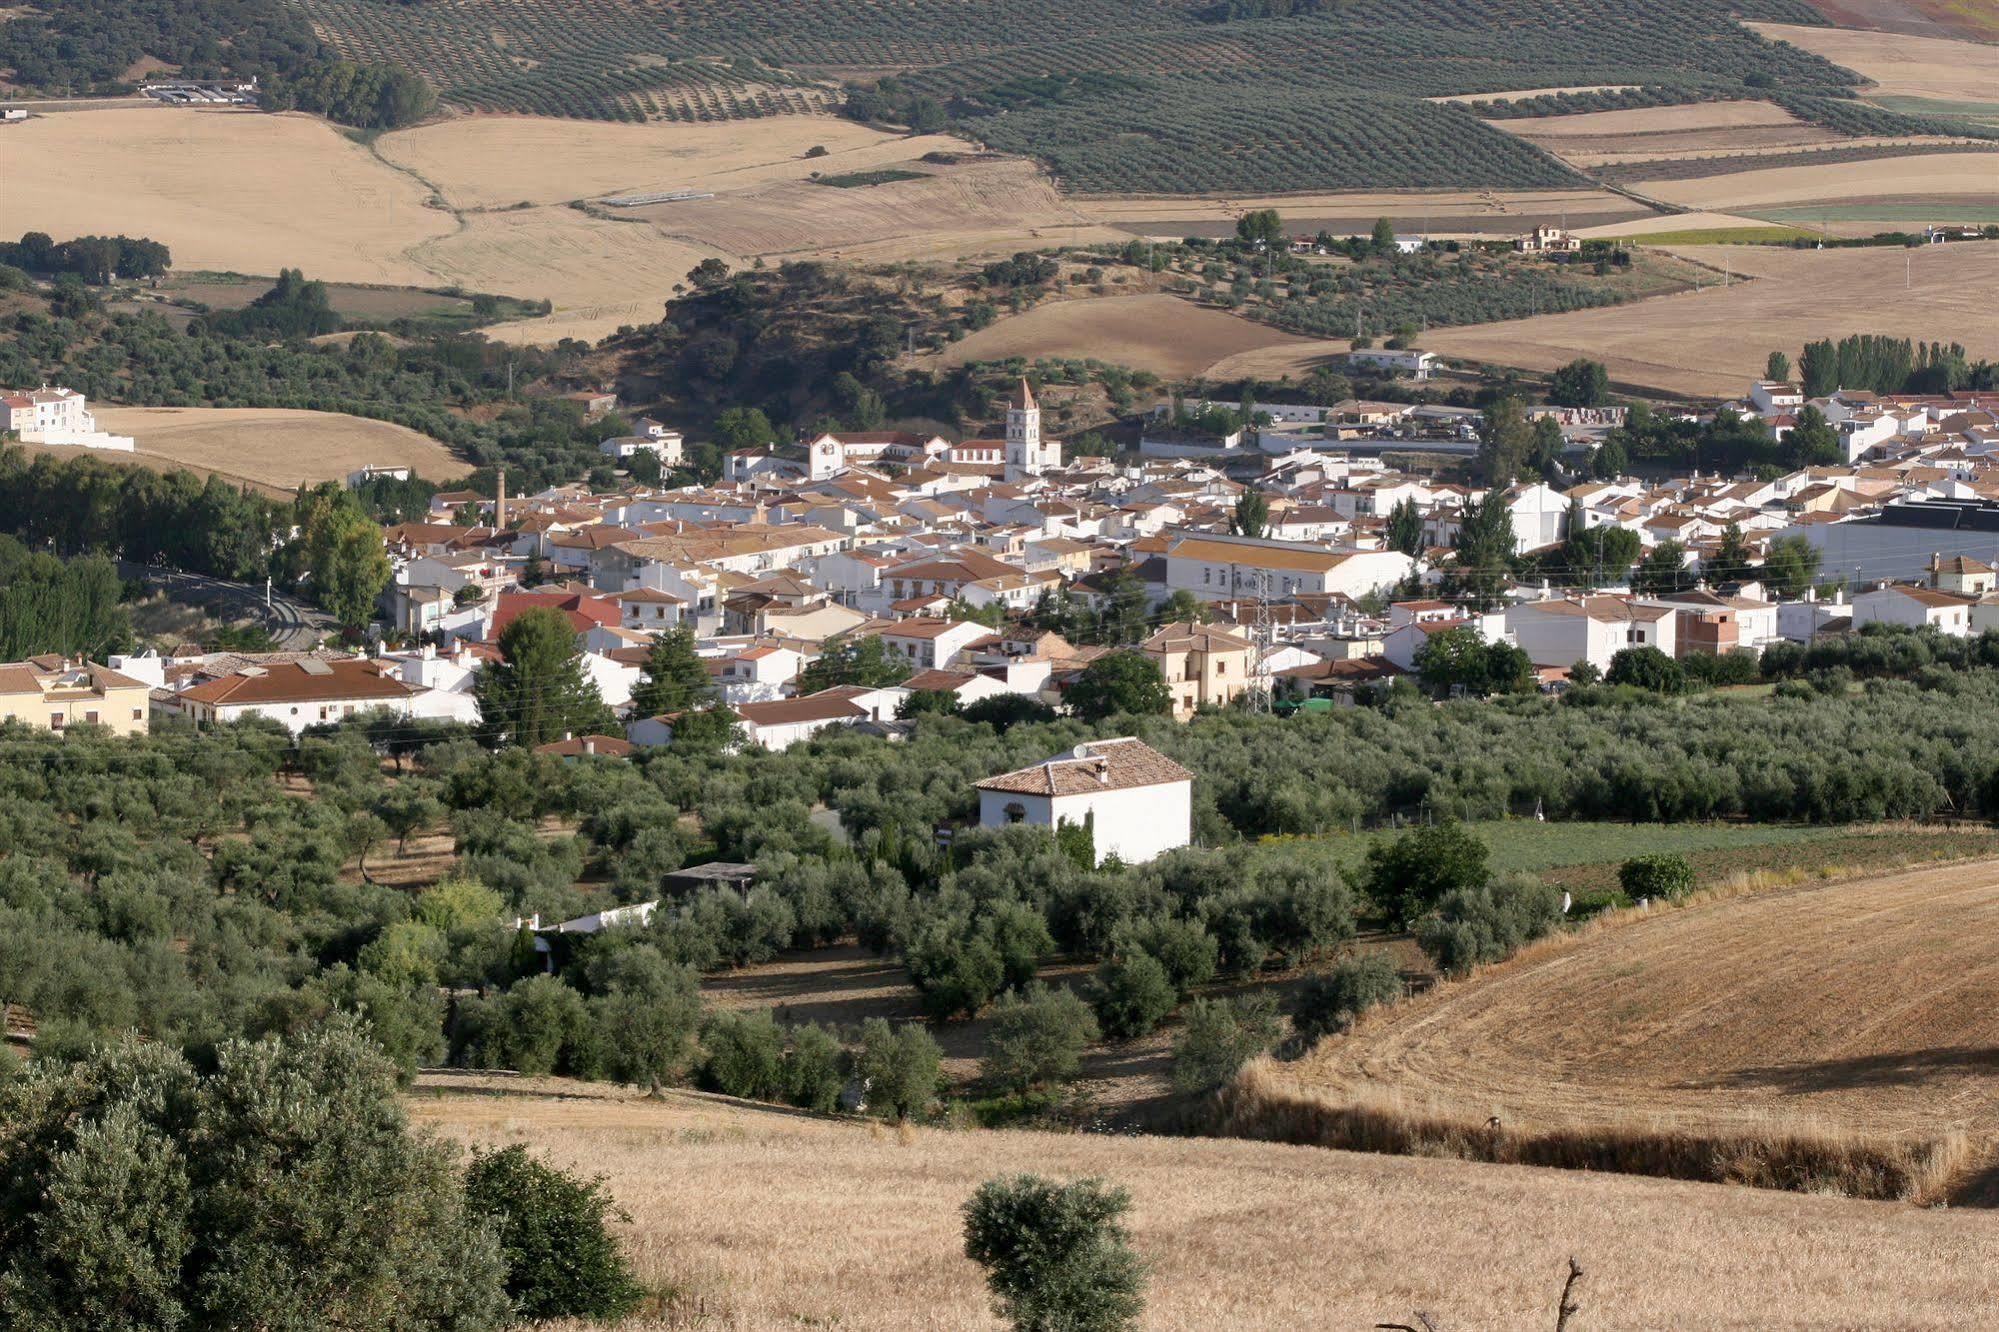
(1727,442)
(69,607)
(293,308)
(96,259)
(91,46)
(1883,364)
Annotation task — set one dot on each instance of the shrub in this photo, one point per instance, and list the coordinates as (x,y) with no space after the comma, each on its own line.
(282,1189)
(1187,951)
(561,1260)
(745,1056)
(1130,994)
(1057,1257)
(1646,668)
(1037,1037)
(1419,869)
(956,972)
(812,1077)
(1220,1036)
(1334,999)
(897,1067)
(1477,925)
(1667,876)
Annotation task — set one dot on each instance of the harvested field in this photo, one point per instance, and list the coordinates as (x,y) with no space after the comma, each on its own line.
(234,191)
(1921,176)
(1861,1014)
(763,1218)
(1901,65)
(500,161)
(1710,342)
(598,273)
(1656,120)
(1156,332)
(943,211)
(1717,222)
(268,446)
(1445,212)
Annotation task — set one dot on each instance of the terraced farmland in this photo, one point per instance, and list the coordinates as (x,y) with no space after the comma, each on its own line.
(1158,96)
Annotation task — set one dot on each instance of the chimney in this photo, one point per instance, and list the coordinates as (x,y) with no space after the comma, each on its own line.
(1103,771)
(589,745)
(1936,568)
(500,504)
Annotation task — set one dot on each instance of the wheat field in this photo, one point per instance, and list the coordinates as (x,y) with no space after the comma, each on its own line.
(761,1219)
(1856,1020)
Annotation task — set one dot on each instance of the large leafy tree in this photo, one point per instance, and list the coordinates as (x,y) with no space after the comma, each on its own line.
(1663,571)
(1119,682)
(1504,440)
(1484,549)
(853,661)
(1252,514)
(1811,440)
(340,550)
(1580,383)
(283,1189)
(1790,563)
(537,691)
(1460,658)
(674,678)
(1405,527)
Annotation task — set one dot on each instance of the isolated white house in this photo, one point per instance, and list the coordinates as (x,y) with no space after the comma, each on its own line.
(55,416)
(1136,802)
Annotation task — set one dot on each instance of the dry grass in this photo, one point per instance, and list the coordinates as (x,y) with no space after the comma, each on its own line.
(1154,332)
(1844,1032)
(1655,120)
(1713,341)
(499,161)
(225,190)
(268,446)
(762,1219)
(1904,66)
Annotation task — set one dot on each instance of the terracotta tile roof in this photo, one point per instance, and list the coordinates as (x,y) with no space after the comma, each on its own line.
(788,711)
(309,681)
(1098,765)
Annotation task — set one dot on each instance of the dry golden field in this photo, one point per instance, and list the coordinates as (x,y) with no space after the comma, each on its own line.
(1712,341)
(1902,66)
(269,446)
(499,161)
(233,191)
(1973,175)
(1863,1012)
(763,1219)
(1154,332)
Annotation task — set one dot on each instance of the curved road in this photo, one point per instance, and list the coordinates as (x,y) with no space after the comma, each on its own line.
(293,625)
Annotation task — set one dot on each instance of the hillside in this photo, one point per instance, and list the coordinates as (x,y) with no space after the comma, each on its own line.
(762,1218)
(1863,1014)
(1162,96)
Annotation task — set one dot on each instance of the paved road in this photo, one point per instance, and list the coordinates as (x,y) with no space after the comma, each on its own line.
(293,625)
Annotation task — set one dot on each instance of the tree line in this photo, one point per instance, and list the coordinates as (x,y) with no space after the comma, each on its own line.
(96,259)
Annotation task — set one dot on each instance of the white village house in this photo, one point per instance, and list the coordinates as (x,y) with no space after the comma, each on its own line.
(1136,802)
